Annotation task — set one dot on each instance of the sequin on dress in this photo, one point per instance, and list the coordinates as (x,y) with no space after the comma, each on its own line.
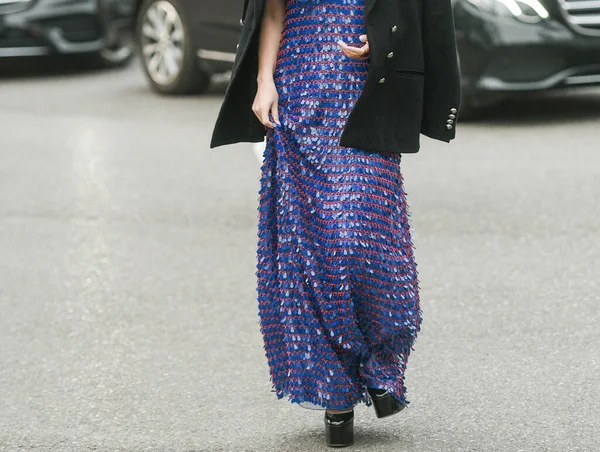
(337,282)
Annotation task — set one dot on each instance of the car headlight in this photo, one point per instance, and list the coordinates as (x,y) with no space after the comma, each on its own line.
(530,11)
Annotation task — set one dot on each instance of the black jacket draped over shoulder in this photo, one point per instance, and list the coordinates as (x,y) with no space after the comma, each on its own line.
(412,86)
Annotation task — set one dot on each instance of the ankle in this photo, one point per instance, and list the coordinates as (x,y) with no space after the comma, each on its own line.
(348,410)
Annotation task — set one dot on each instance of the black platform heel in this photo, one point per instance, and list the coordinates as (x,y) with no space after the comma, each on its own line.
(384,403)
(339,429)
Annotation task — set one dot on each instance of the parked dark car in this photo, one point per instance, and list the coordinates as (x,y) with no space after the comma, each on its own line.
(183,42)
(98,29)
(505,46)
(508,47)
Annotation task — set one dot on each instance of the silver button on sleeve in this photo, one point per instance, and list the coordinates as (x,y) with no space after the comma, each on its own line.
(390,55)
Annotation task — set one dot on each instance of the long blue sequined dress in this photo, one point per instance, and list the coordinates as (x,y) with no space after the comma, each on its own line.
(337,282)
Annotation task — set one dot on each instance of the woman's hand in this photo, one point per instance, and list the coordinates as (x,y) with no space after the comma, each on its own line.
(357,53)
(267,98)
(265,101)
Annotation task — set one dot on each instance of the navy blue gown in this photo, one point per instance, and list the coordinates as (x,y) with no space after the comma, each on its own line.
(337,281)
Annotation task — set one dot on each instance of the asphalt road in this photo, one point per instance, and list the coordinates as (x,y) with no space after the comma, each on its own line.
(127,288)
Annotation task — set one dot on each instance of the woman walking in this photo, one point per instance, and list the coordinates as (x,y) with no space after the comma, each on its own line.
(341,88)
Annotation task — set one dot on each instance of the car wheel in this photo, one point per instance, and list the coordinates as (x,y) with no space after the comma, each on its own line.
(167,53)
(117,54)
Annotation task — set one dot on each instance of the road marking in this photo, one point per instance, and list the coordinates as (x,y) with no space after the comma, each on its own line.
(259,149)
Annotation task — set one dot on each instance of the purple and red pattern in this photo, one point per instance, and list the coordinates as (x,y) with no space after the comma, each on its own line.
(337,281)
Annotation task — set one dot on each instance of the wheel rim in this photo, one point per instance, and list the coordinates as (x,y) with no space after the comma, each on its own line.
(162,42)
(117,53)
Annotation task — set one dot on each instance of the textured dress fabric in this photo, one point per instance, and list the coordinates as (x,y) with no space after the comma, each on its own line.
(338,292)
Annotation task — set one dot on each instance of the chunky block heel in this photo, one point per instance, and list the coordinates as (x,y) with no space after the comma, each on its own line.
(384,403)
(339,429)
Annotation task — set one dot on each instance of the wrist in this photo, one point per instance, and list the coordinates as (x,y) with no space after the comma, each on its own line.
(264,78)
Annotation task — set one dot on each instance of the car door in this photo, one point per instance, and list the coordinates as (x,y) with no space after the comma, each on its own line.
(216,25)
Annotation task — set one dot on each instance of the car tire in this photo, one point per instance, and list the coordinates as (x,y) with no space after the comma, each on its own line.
(117,54)
(169,60)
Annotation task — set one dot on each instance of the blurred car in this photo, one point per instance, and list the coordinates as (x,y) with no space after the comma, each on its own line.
(510,47)
(98,29)
(505,46)
(183,42)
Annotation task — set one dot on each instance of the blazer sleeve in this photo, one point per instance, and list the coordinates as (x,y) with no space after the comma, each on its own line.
(441,102)
(236,122)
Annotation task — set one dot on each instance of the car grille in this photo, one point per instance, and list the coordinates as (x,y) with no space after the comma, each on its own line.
(11,6)
(583,14)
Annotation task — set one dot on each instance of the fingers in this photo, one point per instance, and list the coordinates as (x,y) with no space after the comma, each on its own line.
(275,113)
(264,118)
(262,113)
(367,49)
(357,53)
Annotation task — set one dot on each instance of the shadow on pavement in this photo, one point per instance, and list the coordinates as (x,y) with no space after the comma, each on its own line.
(544,108)
(527,110)
(372,439)
(46,67)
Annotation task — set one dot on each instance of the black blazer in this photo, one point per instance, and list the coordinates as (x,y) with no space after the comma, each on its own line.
(412,86)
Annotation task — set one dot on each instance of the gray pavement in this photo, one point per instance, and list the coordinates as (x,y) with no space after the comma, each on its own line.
(127,301)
